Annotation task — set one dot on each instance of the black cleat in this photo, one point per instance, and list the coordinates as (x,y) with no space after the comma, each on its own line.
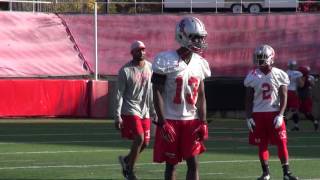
(296,128)
(264,177)
(131,176)
(316,125)
(289,177)
(124,166)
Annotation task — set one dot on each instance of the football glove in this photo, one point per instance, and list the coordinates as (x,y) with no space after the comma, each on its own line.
(167,132)
(278,120)
(251,124)
(202,132)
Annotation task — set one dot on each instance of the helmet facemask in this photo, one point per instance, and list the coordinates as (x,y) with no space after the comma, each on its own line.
(197,43)
(292,65)
(263,56)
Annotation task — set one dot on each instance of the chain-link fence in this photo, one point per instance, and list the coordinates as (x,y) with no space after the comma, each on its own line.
(161,6)
(83,6)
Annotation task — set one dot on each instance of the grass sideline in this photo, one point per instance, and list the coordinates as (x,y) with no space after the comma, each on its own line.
(70,149)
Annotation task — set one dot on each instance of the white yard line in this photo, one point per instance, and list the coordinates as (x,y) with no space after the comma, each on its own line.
(254,177)
(57,166)
(62,142)
(250,147)
(248,161)
(208,173)
(15,160)
(55,134)
(108,150)
(229,132)
(117,133)
(113,166)
(140,164)
(58,152)
(121,140)
(245,177)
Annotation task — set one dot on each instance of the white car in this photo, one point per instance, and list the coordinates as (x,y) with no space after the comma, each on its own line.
(236,6)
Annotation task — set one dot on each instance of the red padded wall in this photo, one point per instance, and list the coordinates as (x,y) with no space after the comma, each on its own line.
(99,99)
(44,97)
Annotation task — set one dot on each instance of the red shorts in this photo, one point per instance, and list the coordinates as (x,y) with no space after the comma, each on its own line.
(186,145)
(265,132)
(306,105)
(293,100)
(134,125)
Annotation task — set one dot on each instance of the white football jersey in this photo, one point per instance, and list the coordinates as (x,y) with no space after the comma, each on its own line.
(293,76)
(311,79)
(266,87)
(182,83)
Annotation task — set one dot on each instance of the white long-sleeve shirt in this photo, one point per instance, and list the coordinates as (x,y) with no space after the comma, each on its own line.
(294,77)
(134,94)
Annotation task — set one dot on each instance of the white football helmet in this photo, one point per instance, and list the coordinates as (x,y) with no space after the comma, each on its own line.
(292,64)
(191,34)
(263,55)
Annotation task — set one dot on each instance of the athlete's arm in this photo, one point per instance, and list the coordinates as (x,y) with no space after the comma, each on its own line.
(249,102)
(119,98)
(158,81)
(202,103)
(283,94)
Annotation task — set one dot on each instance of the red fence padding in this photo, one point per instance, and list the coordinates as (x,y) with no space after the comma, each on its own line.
(40,97)
(99,99)
(231,38)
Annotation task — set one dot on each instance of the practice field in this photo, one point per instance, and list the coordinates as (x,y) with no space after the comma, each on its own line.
(88,149)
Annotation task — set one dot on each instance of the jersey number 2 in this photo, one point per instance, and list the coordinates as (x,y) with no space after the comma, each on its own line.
(190,97)
(266,91)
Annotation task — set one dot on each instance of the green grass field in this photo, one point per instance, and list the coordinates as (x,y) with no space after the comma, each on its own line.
(88,149)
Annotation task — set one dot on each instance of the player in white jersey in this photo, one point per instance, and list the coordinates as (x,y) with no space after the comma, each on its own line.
(179,99)
(296,81)
(266,99)
(134,106)
(295,76)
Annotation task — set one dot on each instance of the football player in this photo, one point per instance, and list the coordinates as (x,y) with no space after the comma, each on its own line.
(266,99)
(305,95)
(134,106)
(296,81)
(179,100)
